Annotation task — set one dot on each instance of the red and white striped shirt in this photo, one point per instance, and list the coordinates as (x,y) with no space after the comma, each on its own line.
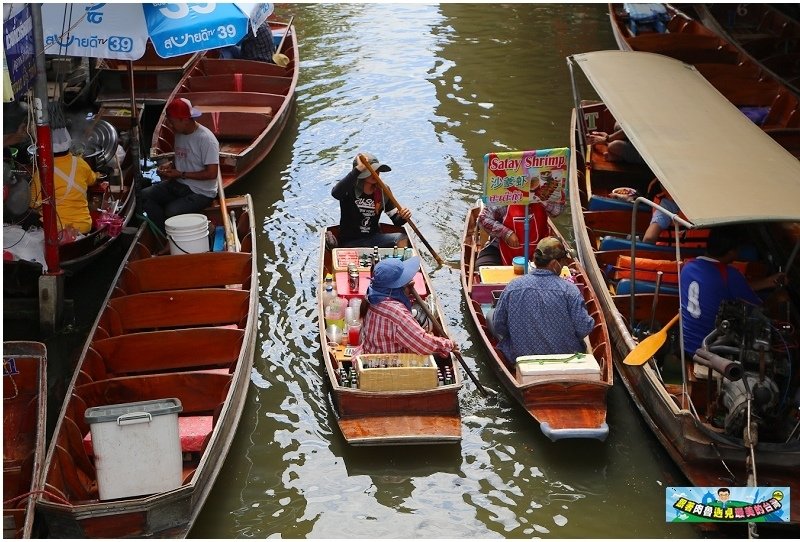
(389,328)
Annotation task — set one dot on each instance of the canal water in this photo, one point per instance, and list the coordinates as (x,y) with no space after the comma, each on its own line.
(429,89)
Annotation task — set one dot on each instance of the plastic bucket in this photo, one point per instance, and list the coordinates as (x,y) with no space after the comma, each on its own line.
(187,234)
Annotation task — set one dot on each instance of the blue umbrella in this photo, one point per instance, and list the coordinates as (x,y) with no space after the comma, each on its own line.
(120,31)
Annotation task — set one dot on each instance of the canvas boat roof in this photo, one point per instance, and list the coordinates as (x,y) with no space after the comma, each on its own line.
(718,166)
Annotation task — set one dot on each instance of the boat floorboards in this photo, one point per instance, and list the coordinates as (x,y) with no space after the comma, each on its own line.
(401,429)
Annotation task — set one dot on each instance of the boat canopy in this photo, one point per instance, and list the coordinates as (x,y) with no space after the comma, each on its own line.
(717,165)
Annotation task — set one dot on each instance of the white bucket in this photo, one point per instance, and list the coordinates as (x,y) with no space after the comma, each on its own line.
(188,234)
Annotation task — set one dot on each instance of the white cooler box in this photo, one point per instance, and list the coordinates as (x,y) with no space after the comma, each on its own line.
(137,447)
(559,364)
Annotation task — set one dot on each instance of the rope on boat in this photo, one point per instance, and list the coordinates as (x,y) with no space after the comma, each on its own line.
(44,492)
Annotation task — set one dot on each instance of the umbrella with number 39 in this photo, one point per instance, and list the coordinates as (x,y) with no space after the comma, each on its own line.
(120,30)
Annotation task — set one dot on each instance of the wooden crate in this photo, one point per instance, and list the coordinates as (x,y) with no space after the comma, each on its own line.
(404,372)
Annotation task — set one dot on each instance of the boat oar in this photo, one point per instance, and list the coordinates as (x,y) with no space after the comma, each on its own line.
(438,327)
(279,58)
(648,347)
(230,241)
(388,192)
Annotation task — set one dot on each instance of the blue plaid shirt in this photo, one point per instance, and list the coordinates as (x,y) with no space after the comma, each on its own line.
(541,313)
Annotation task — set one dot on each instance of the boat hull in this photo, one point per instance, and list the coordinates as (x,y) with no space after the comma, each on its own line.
(179,326)
(245,103)
(24,424)
(707,457)
(378,418)
(564,406)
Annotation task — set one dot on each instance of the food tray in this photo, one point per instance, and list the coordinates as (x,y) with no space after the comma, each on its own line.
(344,256)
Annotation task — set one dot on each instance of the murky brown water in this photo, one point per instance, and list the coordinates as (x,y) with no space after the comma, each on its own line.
(429,89)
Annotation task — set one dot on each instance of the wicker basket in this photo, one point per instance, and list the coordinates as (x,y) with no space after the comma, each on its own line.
(404,372)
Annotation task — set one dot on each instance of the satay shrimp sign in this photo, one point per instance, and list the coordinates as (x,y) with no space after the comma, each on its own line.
(519,177)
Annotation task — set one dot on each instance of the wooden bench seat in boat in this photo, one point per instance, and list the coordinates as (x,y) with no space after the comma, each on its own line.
(689,48)
(236,125)
(232,101)
(214,66)
(239,82)
(186,271)
(200,392)
(175,309)
(162,351)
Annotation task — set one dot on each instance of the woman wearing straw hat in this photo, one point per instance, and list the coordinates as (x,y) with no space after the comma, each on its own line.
(389,327)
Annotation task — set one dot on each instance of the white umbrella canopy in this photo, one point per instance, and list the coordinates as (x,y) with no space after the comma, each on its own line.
(120,30)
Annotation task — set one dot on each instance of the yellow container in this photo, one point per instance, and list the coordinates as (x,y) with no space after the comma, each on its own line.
(497,274)
(403,372)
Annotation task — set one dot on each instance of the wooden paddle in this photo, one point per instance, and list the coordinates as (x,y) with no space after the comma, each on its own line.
(388,192)
(230,241)
(648,347)
(440,331)
(279,58)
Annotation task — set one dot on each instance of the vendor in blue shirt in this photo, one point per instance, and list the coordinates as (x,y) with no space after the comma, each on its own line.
(542,313)
(709,280)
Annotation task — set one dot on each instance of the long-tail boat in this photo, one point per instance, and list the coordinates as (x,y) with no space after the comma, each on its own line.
(767,35)
(24,425)
(567,402)
(245,103)
(385,399)
(177,328)
(769,102)
(720,169)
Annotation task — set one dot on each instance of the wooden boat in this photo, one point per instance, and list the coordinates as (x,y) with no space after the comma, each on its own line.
(24,424)
(246,103)
(116,196)
(154,78)
(172,327)
(765,34)
(382,410)
(699,158)
(565,405)
(772,104)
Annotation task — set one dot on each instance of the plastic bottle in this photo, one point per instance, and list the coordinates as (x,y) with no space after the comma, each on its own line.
(329,292)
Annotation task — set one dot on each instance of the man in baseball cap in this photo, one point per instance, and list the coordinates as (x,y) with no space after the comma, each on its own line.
(542,313)
(181,108)
(189,183)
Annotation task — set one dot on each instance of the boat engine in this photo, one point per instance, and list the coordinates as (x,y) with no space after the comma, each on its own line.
(744,335)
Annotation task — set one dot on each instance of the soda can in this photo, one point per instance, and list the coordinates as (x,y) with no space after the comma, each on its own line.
(352,277)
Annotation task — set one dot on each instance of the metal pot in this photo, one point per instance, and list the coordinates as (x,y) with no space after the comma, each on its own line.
(101,146)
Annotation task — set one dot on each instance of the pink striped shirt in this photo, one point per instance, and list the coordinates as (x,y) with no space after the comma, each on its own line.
(390,328)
